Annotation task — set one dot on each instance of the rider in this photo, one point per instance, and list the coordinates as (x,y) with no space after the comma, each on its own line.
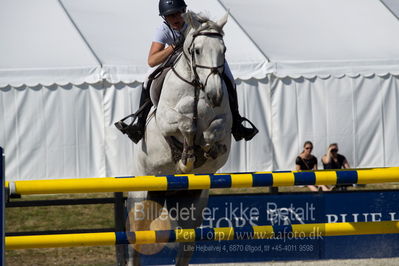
(170,33)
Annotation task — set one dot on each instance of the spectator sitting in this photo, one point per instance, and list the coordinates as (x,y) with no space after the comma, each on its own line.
(334,160)
(306,161)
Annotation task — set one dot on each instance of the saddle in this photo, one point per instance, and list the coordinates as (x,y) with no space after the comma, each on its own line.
(149,96)
(156,78)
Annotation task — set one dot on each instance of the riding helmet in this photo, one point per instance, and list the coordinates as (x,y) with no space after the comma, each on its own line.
(168,7)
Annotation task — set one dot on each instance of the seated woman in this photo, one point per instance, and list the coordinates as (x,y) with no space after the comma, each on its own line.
(333,160)
(307,161)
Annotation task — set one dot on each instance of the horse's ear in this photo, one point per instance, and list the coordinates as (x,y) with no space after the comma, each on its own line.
(190,19)
(221,22)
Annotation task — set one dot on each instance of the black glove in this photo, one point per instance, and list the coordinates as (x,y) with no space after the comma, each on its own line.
(178,44)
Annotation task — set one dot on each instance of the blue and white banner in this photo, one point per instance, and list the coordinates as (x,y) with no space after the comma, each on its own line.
(282,211)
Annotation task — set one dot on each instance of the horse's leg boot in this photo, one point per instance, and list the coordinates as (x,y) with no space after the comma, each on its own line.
(238,130)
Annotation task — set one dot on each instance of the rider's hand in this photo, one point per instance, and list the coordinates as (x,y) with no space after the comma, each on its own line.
(178,44)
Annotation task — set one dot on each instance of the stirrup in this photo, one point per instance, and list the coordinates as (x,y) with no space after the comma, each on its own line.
(122,126)
(251,131)
(135,132)
(252,124)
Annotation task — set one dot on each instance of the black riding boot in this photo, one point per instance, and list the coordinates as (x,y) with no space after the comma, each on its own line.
(136,131)
(238,130)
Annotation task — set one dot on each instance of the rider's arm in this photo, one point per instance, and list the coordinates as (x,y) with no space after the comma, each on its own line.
(158,53)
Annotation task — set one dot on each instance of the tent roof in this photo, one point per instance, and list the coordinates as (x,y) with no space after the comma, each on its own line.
(40,45)
(393,6)
(69,41)
(127,30)
(322,37)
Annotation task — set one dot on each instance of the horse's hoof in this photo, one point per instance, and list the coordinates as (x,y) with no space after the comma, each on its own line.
(188,167)
(216,151)
(207,147)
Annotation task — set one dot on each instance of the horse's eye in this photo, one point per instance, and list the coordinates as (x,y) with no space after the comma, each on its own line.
(197,51)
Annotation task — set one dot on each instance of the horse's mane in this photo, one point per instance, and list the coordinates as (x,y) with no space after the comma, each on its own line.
(206,23)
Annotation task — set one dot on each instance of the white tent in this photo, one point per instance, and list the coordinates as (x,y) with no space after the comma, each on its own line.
(325,71)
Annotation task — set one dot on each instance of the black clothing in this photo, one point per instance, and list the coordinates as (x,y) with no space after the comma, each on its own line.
(238,130)
(336,165)
(136,131)
(333,164)
(306,164)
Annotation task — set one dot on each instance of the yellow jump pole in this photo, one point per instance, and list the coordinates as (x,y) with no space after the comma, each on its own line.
(60,240)
(205,181)
(317,231)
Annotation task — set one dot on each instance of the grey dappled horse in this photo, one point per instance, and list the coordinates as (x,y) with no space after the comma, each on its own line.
(190,132)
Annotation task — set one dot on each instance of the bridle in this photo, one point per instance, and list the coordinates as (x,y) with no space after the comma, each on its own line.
(196,82)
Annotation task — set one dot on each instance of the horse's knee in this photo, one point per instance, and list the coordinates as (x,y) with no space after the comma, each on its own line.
(216,131)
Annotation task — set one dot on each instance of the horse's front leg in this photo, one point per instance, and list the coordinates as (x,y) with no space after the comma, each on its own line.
(188,130)
(213,137)
(182,116)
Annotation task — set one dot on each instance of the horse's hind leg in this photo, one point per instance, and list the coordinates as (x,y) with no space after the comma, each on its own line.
(183,257)
(135,258)
(145,210)
(195,201)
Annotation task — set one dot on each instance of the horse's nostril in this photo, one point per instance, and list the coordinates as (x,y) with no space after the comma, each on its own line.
(215,99)
(209,99)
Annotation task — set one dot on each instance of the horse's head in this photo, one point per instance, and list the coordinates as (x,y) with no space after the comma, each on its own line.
(204,49)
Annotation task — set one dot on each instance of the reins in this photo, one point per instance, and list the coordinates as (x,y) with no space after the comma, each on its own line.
(196,82)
